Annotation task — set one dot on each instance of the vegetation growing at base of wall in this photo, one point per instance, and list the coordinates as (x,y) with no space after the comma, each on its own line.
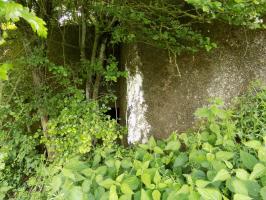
(56,140)
(224,159)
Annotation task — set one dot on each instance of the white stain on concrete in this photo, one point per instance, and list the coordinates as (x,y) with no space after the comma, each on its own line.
(138,127)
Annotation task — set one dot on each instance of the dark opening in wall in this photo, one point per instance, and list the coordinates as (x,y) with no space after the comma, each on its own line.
(114,113)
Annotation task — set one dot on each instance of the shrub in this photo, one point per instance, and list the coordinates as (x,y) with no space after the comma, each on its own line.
(80,125)
(211,164)
(224,159)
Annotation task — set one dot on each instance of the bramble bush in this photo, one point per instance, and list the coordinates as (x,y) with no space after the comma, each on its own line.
(223,159)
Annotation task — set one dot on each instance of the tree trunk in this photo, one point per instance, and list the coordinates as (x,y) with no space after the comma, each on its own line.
(44,117)
(83,36)
(98,75)
(92,63)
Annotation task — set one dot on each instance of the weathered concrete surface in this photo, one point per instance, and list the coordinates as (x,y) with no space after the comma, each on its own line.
(136,105)
(170,100)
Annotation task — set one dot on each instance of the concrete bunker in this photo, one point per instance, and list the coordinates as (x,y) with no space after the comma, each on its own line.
(167,100)
(160,96)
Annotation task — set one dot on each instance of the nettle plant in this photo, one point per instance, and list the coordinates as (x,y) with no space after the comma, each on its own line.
(214,163)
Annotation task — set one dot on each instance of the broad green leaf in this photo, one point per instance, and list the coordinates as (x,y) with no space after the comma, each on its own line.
(197,156)
(253,188)
(241,197)
(56,183)
(88,172)
(99,178)
(194,196)
(75,164)
(103,195)
(146,179)
(180,160)
(184,189)
(189,179)
(144,146)
(156,195)
(174,196)
(237,186)
(263,180)
(4,71)
(202,183)
(86,185)
(37,24)
(75,193)
(259,170)
(132,181)
(246,187)
(110,163)
(203,113)
(157,177)
(125,197)
(101,170)
(210,157)
(262,154)
(120,178)
(117,165)
(107,183)
(158,150)
(254,144)
(222,175)
(162,185)
(215,128)
(263,193)
(264,139)
(228,164)
(173,146)
(224,155)
(96,160)
(242,174)
(126,189)
(210,193)
(198,174)
(144,195)
(248,160)
(152,143)
(13,11)
(68,173)
(126,163)
(218,165)
(113,195)
(137,164)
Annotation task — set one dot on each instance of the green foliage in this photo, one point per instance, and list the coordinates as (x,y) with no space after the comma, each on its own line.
(213,163)
(4,70)
(79,125)
(112,73)
(43,109)
(168,24)
(250,113)
(11,12)
(237,12)
(75,125)
(20,154)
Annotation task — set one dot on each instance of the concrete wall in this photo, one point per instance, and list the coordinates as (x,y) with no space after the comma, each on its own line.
(161,95)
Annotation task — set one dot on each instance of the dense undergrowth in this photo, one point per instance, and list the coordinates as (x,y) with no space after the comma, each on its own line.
(224,159)
(56,140)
